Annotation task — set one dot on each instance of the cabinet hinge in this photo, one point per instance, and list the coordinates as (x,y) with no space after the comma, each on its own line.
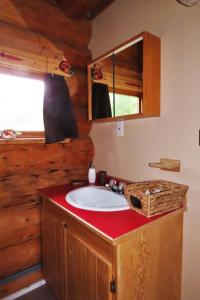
(113,286)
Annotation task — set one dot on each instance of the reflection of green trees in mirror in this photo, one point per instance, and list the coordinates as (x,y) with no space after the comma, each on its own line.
(124,104)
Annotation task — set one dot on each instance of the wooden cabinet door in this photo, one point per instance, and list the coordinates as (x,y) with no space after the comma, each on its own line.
(53,260)
(88,273)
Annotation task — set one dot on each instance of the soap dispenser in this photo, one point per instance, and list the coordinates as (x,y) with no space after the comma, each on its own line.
(91,174)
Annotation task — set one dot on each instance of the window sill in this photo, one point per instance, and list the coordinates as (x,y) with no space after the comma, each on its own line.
(28,141)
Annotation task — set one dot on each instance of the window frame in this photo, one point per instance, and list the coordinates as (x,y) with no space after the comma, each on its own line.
(123,92)
(26,136)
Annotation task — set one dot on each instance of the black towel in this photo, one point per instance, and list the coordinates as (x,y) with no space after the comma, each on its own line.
(100,101)
(59,118)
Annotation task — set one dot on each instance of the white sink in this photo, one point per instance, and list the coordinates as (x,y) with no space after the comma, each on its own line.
(96,198)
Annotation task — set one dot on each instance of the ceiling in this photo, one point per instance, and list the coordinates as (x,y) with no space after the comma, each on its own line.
(82,9)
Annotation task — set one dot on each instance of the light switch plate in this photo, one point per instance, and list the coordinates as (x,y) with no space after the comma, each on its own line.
(120,128)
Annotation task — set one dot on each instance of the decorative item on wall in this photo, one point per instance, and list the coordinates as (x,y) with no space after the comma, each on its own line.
(96,73)
(9,134)
(65,67)
(188,3)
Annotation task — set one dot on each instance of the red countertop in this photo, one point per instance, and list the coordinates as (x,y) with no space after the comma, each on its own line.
(111,224)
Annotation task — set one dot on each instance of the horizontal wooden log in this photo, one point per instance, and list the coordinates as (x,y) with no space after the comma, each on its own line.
(19,283)
(12,236)
(31,184)
(32,156)
(45,19)
(19,257)
(27,40)
(34,42)
(22,217)
(35,174)
(19,200)
(24,61)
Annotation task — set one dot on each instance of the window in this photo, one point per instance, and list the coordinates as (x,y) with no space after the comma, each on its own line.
(125,105)
(21,103)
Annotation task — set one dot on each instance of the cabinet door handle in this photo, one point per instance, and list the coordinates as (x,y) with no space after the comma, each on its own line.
(65,225)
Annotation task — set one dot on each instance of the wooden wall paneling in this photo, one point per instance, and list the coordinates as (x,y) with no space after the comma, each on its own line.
(19,200)
(36,43)
(13,58)
(12,237)
(39,28)
(29,158)
(22,216)
(19,257)
(33,42)
(46,19)
(78,9)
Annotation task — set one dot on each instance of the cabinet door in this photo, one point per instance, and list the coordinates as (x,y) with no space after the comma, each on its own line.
(89,274)
(53,260)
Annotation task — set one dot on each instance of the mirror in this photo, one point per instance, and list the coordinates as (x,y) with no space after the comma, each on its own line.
(115,82)
(102,89)
(128,68)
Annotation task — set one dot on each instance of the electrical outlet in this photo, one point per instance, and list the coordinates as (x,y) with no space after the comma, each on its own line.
(120,128)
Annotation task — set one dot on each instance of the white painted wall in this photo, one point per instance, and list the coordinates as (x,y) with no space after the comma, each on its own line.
(175,133)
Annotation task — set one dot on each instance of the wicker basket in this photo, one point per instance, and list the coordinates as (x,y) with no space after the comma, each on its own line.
(154,197)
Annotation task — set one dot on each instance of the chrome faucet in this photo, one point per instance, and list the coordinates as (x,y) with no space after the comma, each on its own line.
(113,186)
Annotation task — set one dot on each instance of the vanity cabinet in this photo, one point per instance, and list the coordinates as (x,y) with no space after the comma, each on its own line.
(77,265)
(81,263)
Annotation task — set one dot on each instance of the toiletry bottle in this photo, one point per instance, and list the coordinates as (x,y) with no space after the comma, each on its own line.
(91,174)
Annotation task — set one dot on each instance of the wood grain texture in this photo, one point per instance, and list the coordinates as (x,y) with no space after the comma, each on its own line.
(88,9)
(89,274)
(150,262)
(81,230)
(46,19)
(30,62)
(40,28)
(151,75)
(77,263)
(20,256)
(37,43)
(53,244)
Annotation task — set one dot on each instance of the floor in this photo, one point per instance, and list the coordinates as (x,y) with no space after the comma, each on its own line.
(42,293)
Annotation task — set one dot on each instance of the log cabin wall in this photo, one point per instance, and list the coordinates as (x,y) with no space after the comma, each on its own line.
(39,27)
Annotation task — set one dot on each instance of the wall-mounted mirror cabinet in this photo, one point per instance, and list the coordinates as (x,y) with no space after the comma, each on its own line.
(125,82)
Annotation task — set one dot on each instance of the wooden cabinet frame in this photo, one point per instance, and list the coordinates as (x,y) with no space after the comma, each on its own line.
(150,101)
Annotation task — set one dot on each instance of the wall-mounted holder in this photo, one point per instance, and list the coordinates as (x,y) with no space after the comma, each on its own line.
(167,164)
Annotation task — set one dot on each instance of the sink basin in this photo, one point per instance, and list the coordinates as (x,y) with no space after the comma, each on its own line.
(97,199)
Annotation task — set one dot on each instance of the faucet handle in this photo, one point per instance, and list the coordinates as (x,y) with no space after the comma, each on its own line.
(121,186)
(112,183)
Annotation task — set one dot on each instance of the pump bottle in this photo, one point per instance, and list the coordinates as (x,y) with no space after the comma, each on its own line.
(91,174)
